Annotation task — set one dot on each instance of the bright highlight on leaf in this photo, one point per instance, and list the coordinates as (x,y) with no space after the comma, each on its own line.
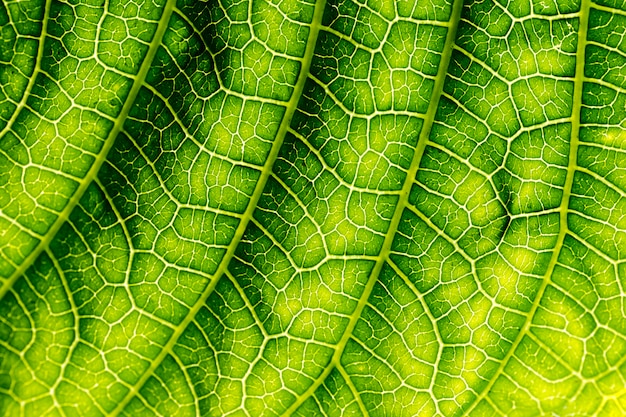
(312,208)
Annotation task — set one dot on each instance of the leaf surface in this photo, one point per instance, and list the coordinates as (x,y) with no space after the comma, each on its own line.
(303,208)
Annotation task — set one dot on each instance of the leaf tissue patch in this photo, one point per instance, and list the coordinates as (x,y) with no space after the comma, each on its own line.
(312,208)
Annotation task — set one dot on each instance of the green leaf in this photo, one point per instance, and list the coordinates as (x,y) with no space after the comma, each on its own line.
(330,208)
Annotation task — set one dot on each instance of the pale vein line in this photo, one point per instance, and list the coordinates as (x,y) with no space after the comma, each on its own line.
(249,306)
(20,106)
(265,174)
(403,201)
(567,191)
(353,390)
(76,328)
(108,144)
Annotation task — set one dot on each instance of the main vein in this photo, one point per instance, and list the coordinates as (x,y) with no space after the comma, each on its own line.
(247,216)
(567,191)
(108,144)
(36,70)
(402,203)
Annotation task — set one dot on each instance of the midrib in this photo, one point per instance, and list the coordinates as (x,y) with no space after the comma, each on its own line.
(397,216)
(108,144)
(247,216)
(563,208)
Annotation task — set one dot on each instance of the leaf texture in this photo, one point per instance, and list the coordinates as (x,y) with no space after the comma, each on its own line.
(312,208)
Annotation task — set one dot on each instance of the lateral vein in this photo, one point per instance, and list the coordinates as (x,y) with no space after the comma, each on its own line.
(563,208)
(247,216)
(402,203)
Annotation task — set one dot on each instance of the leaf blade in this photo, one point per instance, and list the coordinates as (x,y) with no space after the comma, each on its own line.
(236,254)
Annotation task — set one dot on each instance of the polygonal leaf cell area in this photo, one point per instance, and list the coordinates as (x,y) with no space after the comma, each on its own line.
(312,208)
